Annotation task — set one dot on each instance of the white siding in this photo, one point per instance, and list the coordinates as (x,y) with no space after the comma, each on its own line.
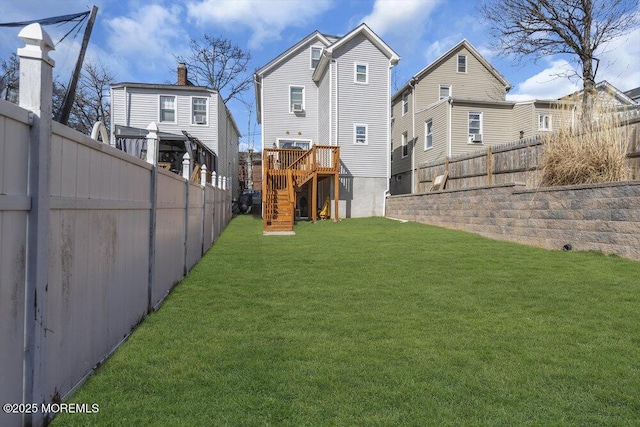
(324,112)
(277,121)
(363,104)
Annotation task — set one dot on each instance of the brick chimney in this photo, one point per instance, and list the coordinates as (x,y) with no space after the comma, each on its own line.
(182,74)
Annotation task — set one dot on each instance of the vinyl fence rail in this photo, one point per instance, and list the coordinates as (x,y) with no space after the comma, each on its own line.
(91,241)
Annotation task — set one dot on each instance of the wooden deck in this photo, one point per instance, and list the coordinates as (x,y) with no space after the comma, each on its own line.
(285,170)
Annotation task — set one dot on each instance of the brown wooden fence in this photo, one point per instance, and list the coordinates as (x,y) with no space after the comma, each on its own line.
(512,162)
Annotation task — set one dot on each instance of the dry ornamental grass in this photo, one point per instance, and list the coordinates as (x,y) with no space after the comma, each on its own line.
(593,152)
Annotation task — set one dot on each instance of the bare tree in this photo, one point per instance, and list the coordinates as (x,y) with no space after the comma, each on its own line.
(548,27)
(216,63)
(91,103)
(9,76)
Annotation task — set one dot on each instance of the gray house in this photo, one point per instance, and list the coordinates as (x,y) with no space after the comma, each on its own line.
(185,114)
(329,91)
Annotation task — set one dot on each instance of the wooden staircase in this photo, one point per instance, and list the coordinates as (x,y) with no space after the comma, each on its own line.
(287,169)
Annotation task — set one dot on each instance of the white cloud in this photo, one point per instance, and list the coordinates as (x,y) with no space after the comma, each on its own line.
(620,62)
(266,19)
(148,33)
(550,83)
(401,18)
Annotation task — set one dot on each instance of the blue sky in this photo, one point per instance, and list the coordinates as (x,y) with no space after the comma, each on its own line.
(137,40)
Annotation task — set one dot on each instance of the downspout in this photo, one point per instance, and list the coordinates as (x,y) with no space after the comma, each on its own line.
(413,135)
(387,192)
(337,101)
(450,102)
(126,106)
(330,102)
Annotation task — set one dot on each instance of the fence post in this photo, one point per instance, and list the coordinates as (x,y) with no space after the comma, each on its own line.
(203,175)
(152,158)
(36,88)
(489,166)
(186,166)
(152,144)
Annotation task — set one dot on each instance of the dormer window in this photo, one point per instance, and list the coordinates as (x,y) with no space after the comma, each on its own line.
(316,52)
(462,63)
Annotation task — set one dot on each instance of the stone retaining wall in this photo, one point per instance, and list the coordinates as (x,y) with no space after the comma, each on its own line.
(603,217)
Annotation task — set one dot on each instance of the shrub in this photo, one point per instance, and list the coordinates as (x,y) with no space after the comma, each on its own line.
(592,152)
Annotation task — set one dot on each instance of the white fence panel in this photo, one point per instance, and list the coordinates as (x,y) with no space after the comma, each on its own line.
(14,208)
(82,262)
(208,232)
(99,254)
(195,216)
(170,234)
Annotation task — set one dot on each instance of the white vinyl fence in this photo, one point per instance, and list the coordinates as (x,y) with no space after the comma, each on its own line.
(91,240)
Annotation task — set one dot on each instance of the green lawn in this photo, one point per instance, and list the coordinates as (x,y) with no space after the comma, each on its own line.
(374,322)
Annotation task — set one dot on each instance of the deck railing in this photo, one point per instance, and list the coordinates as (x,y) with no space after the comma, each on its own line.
(289,168)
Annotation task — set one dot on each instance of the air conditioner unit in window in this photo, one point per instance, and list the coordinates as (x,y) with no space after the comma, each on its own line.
(296,108)
(200,119)
(475,138)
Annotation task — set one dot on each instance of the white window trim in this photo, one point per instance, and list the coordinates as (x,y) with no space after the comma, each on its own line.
(366,134)
(543,129)
(404,143)
(466,64)
(303,98)
(481,126)
(193,122)
(311,67)
(355,73)
(426,135)
(443,86)
(403,104)
(279,141)
(175,108)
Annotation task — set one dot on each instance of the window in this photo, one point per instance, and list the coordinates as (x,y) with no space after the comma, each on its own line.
(168,109)
(445,91)
(462,63)
(361,74)
(199,111)
(475,128)
(544,122)
(360,134)
(316,52)
(303,144)
(428,134)
(296,99)
(405,146)
(405,103)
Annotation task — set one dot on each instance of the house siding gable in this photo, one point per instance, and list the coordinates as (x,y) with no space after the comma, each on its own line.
(477,83)
(277,121)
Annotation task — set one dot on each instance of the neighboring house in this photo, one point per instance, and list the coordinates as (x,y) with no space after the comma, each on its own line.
(610,96)
(333,92)
(250,171)
(455,105)
(186,115)
(634,94)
